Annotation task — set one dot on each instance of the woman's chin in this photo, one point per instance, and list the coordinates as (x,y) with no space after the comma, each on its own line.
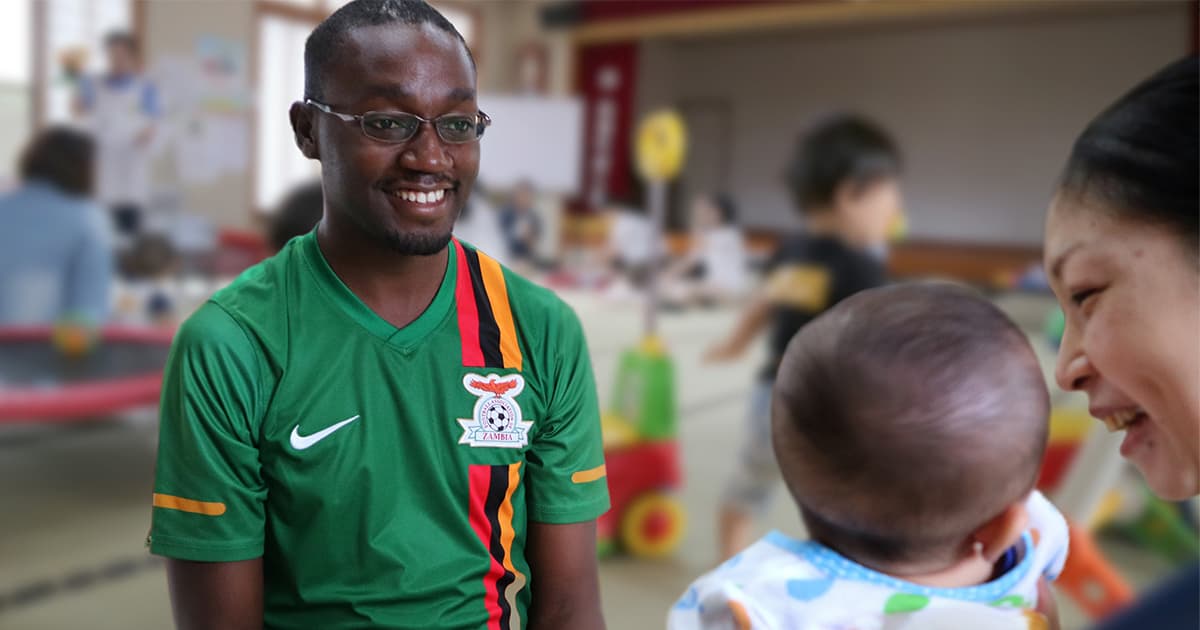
(1168,479)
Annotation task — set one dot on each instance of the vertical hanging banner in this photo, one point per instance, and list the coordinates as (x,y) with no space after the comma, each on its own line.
(607,78)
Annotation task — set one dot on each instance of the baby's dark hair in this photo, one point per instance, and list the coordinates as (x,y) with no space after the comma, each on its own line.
(905,418)
(1142,154)
(843,148)
(321,47)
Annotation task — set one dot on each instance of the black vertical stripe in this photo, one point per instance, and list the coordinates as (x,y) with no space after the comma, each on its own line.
(489,332)
(495,497)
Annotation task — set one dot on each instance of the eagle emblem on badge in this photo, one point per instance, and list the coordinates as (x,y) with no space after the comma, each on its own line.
(496,421)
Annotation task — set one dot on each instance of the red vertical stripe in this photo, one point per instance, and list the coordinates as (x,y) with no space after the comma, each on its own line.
(468,313)
(481,481)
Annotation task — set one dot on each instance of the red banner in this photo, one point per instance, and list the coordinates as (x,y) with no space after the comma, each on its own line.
(606,76)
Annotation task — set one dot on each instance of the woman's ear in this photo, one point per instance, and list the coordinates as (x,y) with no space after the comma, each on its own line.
(1002,531)
(302,128)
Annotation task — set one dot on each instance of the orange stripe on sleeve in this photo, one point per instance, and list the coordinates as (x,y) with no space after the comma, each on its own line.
(497,290)
(171,502)
(506,538)
(591,474)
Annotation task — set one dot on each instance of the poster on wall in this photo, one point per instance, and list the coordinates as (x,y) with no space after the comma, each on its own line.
(207,102)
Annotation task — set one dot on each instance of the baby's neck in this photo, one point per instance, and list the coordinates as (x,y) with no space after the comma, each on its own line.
(969,571)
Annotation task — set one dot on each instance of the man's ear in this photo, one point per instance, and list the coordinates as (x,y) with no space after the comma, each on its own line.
(302,129)
(1003,531)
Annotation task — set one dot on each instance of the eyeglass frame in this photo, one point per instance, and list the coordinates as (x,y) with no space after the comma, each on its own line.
(482,122)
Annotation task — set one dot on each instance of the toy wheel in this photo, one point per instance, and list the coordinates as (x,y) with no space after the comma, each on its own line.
(653,525)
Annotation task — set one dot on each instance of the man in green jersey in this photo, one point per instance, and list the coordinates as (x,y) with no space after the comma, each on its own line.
(381,426)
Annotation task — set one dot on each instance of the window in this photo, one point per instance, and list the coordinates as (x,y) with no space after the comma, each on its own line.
(280,166)
(16,33)
(75,28)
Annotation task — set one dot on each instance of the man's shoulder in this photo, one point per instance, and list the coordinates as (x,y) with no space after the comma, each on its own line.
(262,289)
(527,298)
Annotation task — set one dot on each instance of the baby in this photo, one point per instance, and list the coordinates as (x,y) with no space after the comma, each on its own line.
(909,423)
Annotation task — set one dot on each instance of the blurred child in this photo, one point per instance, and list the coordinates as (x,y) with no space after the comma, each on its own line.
(521,225)
(909,423)
(299,213)
(56,254)
(844,178)
(150,288)
(122,109)
(714,268)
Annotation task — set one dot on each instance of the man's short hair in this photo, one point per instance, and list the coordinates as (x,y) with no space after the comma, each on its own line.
(321,47)
(905,418)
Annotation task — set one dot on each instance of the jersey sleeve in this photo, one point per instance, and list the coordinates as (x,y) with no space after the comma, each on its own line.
(209,492)
(567,479)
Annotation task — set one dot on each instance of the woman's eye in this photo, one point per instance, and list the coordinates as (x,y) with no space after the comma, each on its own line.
(1079,297)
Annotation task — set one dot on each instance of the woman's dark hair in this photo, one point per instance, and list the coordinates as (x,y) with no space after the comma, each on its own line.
(841,148)
(1141,156)
(299,213)
(62,157)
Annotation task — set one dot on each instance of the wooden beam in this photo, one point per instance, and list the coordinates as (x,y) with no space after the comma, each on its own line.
(828,13)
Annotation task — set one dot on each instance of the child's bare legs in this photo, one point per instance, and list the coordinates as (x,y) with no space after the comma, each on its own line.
(755,475)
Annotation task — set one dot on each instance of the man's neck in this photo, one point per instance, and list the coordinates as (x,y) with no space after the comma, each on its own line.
(395,286)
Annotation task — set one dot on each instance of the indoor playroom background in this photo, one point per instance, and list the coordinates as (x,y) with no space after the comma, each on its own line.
(983,97)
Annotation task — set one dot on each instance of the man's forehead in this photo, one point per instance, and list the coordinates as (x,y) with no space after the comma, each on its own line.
(400,62)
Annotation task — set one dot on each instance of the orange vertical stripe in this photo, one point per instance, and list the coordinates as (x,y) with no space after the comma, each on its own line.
(506,537)
(171,502)
(497,290)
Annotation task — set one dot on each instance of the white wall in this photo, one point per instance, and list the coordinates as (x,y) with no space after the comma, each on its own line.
(172,29)
(984,111)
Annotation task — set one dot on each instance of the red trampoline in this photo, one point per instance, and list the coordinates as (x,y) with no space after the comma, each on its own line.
(40,384)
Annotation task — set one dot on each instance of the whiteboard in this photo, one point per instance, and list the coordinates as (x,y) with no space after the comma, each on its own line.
(532,137)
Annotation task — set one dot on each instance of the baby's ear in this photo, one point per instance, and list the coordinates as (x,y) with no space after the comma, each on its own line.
(1002,531)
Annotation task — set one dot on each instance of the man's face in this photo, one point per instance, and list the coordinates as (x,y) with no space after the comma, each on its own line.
(415,69)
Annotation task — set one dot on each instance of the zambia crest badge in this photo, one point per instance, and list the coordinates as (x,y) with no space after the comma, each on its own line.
(496,421)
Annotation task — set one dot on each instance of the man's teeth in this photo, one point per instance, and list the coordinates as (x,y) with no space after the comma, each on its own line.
(421,197)
(1122,419)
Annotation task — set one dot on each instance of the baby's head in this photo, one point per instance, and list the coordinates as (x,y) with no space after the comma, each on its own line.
(910,422)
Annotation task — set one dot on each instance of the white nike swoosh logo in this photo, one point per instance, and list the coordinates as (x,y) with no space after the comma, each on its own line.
(301,442)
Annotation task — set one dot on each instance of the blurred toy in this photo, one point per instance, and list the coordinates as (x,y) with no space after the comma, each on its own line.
(74,337)
(1068,428)
(1031,279)
(641,452)
(1056,324)
(642,456)
(1133,512)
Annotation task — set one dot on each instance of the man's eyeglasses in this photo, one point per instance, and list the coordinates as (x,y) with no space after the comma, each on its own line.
(402,126)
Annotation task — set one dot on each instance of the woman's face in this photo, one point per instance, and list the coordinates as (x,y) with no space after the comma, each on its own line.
(705,215)
(1131,294)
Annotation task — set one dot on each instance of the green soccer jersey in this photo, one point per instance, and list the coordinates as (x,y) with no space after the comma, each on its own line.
(385,476)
